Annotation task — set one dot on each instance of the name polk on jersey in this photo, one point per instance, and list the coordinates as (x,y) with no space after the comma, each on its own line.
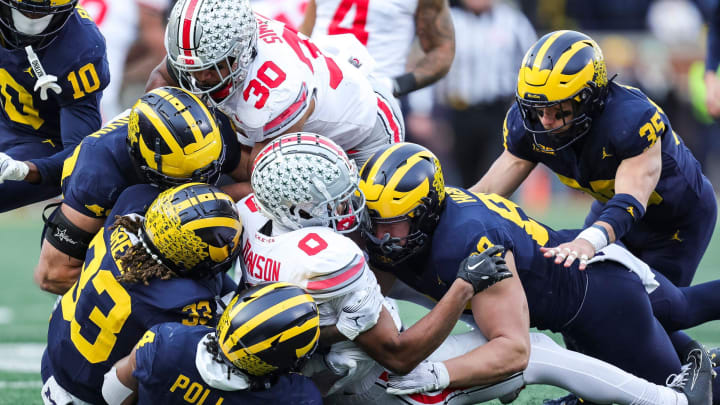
(259,266)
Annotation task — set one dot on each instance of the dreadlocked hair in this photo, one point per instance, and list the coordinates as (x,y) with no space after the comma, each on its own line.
(137,264)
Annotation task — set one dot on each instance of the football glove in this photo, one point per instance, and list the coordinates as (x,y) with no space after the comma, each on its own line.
(426,377)
(360,311)
(11,169)
(485,269)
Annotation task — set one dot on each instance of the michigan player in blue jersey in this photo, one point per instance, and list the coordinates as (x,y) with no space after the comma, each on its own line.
(167,266)
(262,340)
(169,138)
(53,69)
(420,230)
(613,143)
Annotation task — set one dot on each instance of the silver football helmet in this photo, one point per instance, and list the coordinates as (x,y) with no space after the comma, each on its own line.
(211,34)
(303,179)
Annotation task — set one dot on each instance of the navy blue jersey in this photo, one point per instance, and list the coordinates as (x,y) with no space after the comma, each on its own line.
(77,58)
(629,124)
(100,168)
(99,320)
(166,373)
(471,223)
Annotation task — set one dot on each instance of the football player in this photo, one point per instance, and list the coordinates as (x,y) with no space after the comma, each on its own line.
(271,80)
(271,251)
(167,266)
(169,138)
(264,337)
(387,28)
(52,72)
(305,194)
(420,230)
(613,143)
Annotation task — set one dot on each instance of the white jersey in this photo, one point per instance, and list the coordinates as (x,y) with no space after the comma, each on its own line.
(325,264)
(385,27)
(287,73)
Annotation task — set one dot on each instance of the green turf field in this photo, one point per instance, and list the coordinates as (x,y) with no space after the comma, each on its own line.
(24,309)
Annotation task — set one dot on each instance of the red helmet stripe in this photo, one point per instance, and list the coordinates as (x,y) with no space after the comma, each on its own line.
(187,28)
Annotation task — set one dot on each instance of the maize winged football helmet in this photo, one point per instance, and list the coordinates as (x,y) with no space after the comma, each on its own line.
(269,329)
(562,66)
(401,182)
(193,229)
(18,29)
(174,139)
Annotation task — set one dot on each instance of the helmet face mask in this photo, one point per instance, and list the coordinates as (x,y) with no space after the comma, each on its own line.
(33,22)
(215,35)
(305,179)
(402,182)
(194,230)
(174,139)
(566,69)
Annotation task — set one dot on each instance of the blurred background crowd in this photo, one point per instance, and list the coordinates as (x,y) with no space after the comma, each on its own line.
(659,46)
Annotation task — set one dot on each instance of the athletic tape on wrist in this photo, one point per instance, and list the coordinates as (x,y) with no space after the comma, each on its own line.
(597,238)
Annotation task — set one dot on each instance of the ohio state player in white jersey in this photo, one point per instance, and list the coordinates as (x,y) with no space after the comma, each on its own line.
(387,28)
(306,192)
(306,195)
(272,80)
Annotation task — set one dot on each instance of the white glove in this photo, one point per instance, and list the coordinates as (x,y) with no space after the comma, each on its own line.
(426,377)
(11,169)
(360,311)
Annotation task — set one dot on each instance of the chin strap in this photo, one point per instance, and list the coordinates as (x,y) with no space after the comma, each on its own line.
(45,81)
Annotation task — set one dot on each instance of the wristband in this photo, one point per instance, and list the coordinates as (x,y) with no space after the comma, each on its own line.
(597,238)
(621,212)
(404,84)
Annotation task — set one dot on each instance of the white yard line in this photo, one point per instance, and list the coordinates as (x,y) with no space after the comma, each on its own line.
(19,385)
(21,357)
(6,315)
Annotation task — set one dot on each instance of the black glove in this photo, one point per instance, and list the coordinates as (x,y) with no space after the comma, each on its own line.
(485,269)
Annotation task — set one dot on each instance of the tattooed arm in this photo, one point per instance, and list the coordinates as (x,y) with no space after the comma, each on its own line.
(435,32)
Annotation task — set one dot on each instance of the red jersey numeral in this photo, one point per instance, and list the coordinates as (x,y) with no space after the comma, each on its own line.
(312,244)
(271,76)
(298,44)
(358,23)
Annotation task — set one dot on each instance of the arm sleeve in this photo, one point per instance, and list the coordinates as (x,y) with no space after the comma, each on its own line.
(76,121)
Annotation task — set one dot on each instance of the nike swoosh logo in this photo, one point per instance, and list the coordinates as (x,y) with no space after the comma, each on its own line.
(476,264)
